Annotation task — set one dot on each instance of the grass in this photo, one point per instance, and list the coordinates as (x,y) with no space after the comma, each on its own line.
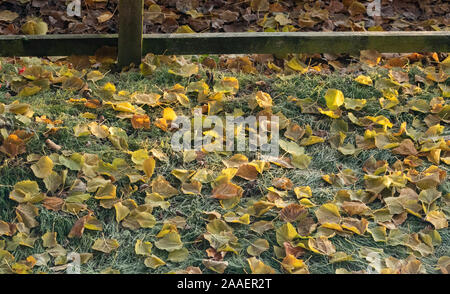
(325,160)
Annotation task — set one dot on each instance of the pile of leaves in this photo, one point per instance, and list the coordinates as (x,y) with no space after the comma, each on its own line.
(98,176)
(178,16)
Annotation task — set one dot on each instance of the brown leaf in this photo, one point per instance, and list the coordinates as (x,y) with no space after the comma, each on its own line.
(139,121)
(260,5)
(227,191)
(357,8)
(163,187)
(283,183)
(294,132)
(13,146)
(216,266)
(248,172)
(53,203)
(406,148)
(354,207)
(291,250)
(306,226)
(52,145)
(293,212)
(78,228)
(26,213)
(7,229)
(322,245)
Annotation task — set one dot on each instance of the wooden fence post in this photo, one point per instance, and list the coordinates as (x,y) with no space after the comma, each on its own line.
(131,22)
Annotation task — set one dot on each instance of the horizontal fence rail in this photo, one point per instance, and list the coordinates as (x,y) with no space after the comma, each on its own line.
(304,42)
(232,43)
(54,45)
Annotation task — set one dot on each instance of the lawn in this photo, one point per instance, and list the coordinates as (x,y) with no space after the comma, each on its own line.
(410,245)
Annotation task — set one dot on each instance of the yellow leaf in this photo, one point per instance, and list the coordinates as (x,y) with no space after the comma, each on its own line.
(216,266)
(264,100)
(231,217)
(381,120)
(378,233)
(35,27)
(149,167)
(43,168)
(124,107)
(257,247)
(354,104)
(153,262)
(104,17)
(106,192)
(301,161)
(100,131)
(328,213)
(94,76)
(81,130)
(92,223)
(365,80)
(139,156)
(227,85)
(235,161)
(185,70)
(169,114)
(334,98)
(26,191)
(340,257)
(294,265)
(182,174)
(303,192)
(192,188)
(311,140)
(105,245)
(29,91)
(331,113)
(184,30)
(156,200)
(179,255)
(147,69)
(170,242)
(258,267)
(286,233)
(295,65)
(8,16)
(49,239)
(109,87)
(438,219)
(121,211)
(143,248)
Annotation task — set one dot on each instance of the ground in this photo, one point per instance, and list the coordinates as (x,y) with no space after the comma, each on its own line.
(55,104)
(170,16)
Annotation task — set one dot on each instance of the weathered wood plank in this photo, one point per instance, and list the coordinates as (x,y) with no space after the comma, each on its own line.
(54,45)
(131,21)
(305,42)
(232,43)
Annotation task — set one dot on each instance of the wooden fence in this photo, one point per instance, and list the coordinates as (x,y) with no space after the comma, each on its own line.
(132,43)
